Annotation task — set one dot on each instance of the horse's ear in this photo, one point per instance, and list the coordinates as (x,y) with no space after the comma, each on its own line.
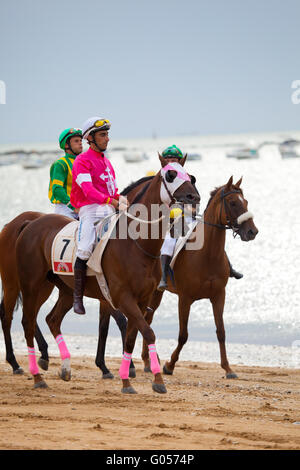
(238,183)
(182,160)
(162,160)
(229,183)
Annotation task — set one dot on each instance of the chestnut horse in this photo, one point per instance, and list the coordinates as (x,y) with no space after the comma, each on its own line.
(203,274)
(131,267)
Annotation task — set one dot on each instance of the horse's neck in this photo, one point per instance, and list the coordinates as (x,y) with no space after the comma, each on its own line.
(152,197)
(214,237)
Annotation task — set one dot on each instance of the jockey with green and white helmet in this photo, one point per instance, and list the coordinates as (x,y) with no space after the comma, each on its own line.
(170,154)
(174,154)
(70,140)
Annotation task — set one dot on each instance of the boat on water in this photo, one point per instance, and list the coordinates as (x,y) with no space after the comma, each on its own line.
(289,148)
(33,161)
(243,153)
(194,156)
(135,156)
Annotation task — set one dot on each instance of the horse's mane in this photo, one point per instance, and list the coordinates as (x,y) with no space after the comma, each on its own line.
(134,184)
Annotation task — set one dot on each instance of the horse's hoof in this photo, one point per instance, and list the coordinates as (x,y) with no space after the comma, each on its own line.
(166,371)
(132,373)
(129,390)
(159,388)
(109,375)
(41,384)
(43,363)
(65,375)
(231,375)
(19,371)
(147,369)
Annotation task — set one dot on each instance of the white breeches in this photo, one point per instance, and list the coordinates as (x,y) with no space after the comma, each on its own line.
(169,243)
(88,216)
(62,209)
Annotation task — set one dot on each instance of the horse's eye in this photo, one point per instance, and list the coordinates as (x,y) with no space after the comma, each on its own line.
(233,203)
(171,175)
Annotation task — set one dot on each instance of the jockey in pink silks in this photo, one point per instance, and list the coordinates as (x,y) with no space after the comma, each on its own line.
(94,194)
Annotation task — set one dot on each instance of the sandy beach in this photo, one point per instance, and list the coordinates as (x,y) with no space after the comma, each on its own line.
(202,409)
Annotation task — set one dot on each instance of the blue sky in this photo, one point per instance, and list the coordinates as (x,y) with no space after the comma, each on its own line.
(166,67)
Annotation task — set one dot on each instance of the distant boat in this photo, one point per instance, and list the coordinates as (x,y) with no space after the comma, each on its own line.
(290,149)
(135,156)
(243,153)
(8,159)
(194,156)
(33,161)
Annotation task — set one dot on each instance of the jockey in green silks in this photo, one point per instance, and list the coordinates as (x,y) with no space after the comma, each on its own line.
(174,154)
(70,140)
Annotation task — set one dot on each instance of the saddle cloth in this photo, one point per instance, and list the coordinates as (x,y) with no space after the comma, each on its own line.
(181,242)
(64,247)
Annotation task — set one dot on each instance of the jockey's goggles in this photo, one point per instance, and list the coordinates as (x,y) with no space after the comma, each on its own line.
(100,124)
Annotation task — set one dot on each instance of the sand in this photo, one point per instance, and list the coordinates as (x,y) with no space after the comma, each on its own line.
(202,409)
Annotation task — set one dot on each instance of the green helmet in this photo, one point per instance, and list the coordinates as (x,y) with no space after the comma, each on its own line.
(172,151)
(66,134)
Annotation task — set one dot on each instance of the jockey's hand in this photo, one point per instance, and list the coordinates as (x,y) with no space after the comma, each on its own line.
(76,211)
(123,203)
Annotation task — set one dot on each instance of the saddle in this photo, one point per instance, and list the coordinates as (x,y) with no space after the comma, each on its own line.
(64,247)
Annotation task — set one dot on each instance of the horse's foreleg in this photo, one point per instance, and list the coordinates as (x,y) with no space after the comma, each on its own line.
(54,320)
(151,309)
(121,321)
(218,308)
(43,348)
(104,317)
(137,322)
(145,351)
(184,306)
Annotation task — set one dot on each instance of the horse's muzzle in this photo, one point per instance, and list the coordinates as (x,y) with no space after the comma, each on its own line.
(247,233)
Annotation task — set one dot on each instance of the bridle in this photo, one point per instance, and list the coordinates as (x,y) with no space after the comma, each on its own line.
(234,226)
(173,201)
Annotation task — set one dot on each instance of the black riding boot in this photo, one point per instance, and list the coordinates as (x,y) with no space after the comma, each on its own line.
(233,272)
(79,283)
(165,264)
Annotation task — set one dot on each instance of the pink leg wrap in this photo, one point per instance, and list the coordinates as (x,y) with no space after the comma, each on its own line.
(155,367)
(124,369)
(33,367)
(64,353)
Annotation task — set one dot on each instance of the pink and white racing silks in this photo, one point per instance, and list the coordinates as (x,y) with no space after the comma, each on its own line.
(93,180)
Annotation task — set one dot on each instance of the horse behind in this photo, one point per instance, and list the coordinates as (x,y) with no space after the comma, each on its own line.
(204,273)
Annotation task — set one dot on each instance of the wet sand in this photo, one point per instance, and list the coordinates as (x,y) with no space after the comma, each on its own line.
(202,409)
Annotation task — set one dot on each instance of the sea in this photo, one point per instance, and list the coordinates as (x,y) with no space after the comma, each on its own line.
(262,310)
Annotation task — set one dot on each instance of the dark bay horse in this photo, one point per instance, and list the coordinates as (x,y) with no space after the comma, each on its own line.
(132,271)
(203,273)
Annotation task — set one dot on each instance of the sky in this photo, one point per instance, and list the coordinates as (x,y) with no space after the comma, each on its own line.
(153,68)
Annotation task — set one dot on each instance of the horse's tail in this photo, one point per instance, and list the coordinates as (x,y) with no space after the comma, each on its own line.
(8,269)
